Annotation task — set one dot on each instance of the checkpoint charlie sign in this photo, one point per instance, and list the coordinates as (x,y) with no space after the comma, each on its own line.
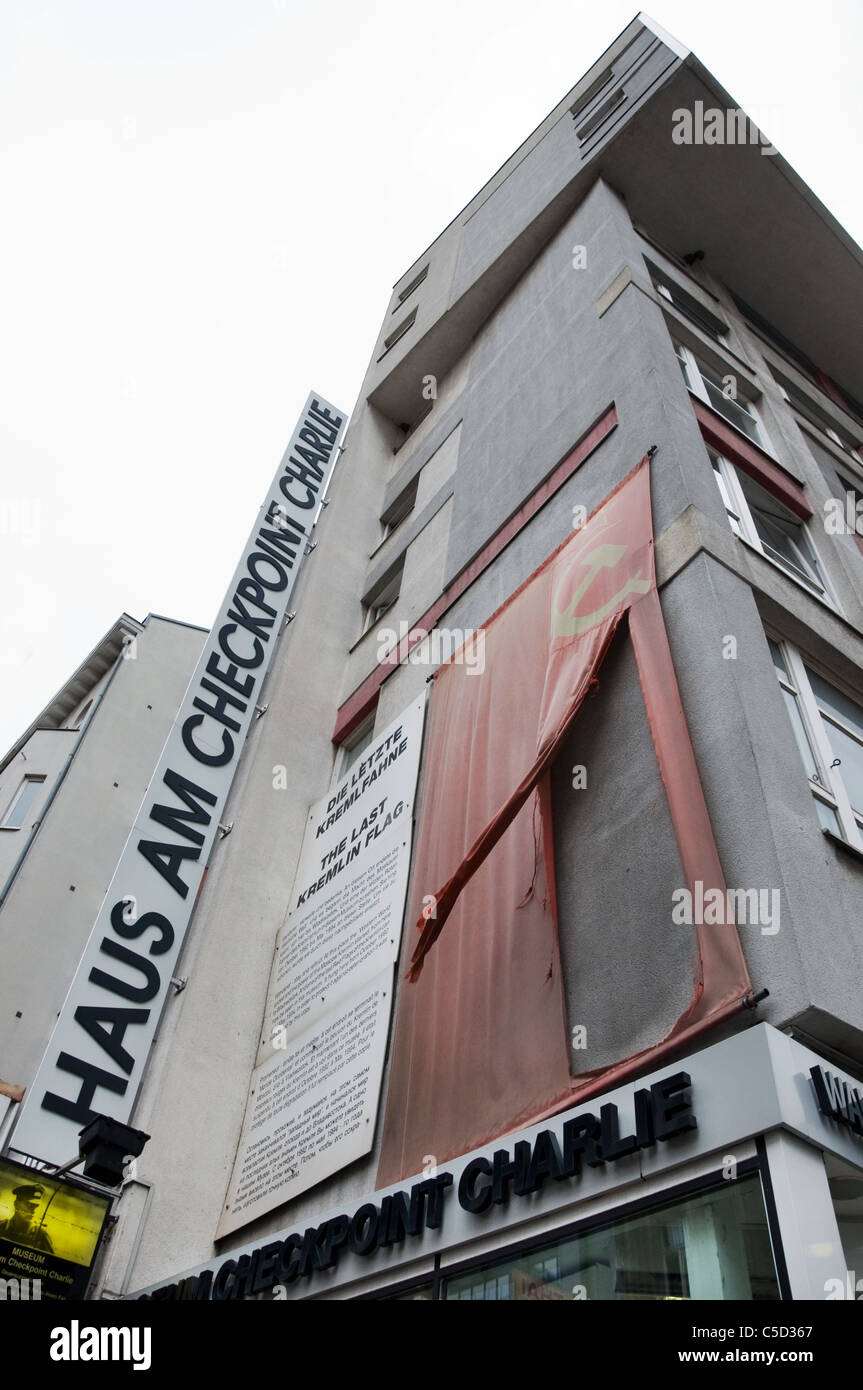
(99,1048)
(555,1156)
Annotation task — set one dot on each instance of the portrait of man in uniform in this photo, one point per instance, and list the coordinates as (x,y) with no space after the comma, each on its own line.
(22,1226)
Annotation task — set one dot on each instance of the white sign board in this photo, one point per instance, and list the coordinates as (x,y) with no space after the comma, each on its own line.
(312,1106)
(99,1048)
(345,920)
(314,1092)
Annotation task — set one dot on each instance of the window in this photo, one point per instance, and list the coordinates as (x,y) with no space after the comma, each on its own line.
(401,508)
(409,289)
(813,413)
(715,1244)
(383,598)
(356,744)
(686,303)
(79,718)
(593,123)
(720,393)
(592,91)
(22,802)
(398,332)
(828,729)
(773,336)
(771,528)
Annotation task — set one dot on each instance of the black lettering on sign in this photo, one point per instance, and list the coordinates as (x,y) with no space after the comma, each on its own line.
(471,1196)
(672,1105)
(93,1019)
(255,659)
(243,687)
(581,1140)
(211,759)
(138,994)
(219,709)
(189,793)
(167,860)
(131,930)
(80,1110)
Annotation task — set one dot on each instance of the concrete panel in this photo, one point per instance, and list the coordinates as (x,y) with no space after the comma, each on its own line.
(617,866)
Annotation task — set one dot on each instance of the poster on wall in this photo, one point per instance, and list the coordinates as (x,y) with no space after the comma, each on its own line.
(49,1233)
(312,1106)
(314,1092)
(345,917)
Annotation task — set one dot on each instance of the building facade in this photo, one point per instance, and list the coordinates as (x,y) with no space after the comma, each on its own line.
(70,788)
(625,1061)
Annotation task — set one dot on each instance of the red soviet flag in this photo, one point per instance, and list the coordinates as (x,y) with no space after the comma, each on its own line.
(480,1045)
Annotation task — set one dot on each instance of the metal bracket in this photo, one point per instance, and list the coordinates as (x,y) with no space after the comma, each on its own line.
(179,983)
(226,829)
(261,709)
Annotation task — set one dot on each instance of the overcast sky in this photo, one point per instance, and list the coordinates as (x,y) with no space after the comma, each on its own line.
(205,205)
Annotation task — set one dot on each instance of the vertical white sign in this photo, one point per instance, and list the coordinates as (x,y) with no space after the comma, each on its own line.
(314,1094)
(98,1050)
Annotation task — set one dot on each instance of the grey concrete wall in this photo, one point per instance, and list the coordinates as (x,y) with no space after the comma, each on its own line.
(44,755)
(547,366)
(628,972)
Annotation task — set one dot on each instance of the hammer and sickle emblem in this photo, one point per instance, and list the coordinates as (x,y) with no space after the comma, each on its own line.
(569,622)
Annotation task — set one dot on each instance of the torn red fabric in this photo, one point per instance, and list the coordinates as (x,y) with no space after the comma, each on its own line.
(480,1045)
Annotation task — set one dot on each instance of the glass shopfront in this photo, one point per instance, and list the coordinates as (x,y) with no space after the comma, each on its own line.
(713,1243)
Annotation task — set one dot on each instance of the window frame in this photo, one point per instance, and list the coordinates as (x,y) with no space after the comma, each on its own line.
(384,599)
(739,511)
(29,779)
(692,375)
(827,787)
(451,1264)
(352,747)
(687,304)
(409,289)
(399,511)
(815,417)
(399,332)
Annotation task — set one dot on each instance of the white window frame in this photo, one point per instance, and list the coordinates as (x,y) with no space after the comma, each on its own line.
(817,418)
(383,600)
(696,383)
(357,743)
(828,787)
(29,779)
(687,304)
(407,503)
(742,522)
